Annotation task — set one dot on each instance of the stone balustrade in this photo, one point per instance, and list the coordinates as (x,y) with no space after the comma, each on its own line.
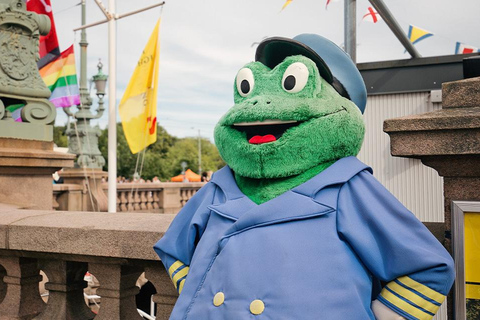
(115,247)
(165,197)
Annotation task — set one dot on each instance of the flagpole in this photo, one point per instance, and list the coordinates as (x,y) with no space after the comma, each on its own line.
(351,29)
(392,23)
(112,114)
(111,18)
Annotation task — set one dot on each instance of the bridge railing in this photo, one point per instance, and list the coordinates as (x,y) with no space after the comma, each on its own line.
(115,247)
(165,197)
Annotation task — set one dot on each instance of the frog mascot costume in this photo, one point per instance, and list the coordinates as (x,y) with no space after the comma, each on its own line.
(296,227)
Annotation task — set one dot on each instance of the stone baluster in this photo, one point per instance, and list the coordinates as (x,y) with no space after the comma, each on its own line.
(136,199)
(65,287)
(149,195)
(123,201)
(22,299)
(143,201)
(118,290)
(130,201)
(183,198)
(166,295)
(3,285)
(119,201)
(156,199)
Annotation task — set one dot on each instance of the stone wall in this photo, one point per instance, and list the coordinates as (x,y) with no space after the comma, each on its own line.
(115,247)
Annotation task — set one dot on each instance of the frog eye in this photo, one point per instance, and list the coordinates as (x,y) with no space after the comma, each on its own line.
(295,77)
(245,82)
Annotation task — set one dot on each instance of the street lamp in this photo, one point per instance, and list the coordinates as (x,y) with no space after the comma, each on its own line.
(100,81)
(83,138)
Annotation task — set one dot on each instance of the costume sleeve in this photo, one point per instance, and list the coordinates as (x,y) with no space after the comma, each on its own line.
(395,246)
(177,246)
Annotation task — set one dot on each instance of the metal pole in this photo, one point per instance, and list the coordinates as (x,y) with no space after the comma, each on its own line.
(351,28)
(199,153)
(83,56)
(392,23)
(117,17)
(112,114)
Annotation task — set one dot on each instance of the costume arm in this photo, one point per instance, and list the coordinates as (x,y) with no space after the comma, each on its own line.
(177,246)
(395,247)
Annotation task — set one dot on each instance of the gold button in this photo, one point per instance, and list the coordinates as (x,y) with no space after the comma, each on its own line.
(257,307)
(218,299)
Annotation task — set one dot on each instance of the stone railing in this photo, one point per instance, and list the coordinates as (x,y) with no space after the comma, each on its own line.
(166,197)
(115,247)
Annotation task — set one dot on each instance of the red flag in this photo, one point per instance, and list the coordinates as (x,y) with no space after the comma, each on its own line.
(49,49)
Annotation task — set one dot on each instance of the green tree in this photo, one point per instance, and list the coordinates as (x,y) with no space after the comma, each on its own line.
(186,149)
(59,137)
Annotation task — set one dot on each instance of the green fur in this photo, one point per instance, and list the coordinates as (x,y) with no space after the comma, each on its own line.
(263,190)
(332,128)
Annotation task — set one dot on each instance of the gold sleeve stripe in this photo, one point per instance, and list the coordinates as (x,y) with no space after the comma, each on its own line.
(413,297)
(179,275)
(405,306)
(426,291)
(174,267)
(180,287)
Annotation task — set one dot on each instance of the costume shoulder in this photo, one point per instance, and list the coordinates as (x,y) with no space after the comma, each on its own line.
(177,245)
(395,246)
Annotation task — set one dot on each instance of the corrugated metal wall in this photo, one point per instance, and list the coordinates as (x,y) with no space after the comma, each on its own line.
(418,187)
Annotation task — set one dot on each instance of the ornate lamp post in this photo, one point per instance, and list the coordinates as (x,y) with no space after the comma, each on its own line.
(83,138)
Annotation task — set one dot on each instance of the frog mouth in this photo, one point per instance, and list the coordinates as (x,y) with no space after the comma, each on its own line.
(260,132)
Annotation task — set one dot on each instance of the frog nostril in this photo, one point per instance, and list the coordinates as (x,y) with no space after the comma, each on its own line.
(268,102)
(255,102)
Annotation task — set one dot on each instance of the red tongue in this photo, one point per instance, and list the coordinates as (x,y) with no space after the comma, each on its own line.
(262,139)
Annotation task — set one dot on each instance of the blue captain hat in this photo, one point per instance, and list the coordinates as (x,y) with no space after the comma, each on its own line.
(334,64)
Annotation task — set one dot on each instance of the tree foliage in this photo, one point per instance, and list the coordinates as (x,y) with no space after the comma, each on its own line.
(162,159)
(59,137)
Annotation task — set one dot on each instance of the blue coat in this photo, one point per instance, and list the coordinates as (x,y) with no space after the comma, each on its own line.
(315,252)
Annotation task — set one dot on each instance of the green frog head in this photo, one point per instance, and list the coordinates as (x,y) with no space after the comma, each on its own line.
(288,117)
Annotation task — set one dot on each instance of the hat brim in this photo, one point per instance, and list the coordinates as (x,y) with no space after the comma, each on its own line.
(273,51)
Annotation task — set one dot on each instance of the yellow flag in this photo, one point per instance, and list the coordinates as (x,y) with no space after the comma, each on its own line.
(415,34)
(138,108)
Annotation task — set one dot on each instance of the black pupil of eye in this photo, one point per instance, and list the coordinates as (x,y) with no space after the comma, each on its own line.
(289,82)
(245,86)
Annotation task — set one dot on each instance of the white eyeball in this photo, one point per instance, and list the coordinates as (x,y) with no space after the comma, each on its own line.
(295,77)
(245,82)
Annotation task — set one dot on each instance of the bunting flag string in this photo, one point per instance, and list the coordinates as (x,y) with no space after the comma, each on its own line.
(462,48)
(371,15)
(328,2)
(286,4)
(416,34)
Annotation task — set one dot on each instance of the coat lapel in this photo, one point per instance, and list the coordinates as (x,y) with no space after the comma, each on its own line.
(301,202)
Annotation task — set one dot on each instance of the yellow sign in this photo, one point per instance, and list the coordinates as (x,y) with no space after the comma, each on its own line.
(472,255)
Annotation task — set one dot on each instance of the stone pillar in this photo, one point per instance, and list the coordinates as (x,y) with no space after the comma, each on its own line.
(91,181)
(447,140)
(118,290)
(166,295)
(65,285)
(26,168)
(169,198)
(22,299)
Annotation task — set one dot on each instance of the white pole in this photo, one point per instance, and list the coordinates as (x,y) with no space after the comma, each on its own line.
(199,153)
(112,114)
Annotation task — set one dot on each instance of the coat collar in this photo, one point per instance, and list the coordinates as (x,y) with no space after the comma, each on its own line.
(295,204)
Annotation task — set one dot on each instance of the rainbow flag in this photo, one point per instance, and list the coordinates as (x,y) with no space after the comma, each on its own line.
(61,78)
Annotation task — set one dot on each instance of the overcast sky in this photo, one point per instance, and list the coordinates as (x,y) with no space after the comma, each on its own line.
(205,42)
